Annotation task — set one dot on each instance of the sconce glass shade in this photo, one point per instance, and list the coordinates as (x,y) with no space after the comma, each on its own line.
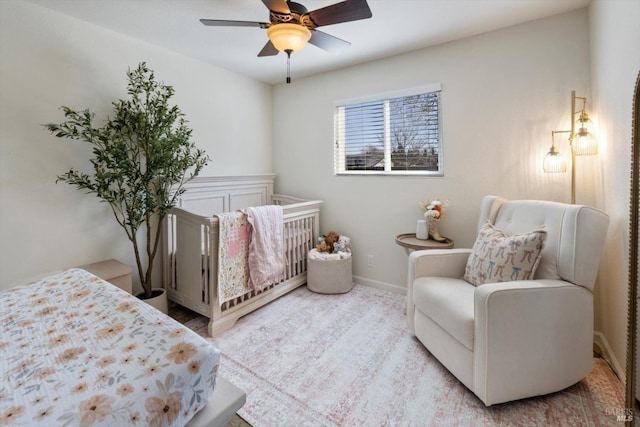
(584,123)
(554,162)
(286,37)
(585,144)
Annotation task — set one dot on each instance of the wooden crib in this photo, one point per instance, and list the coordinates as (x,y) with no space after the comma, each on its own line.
(190,240)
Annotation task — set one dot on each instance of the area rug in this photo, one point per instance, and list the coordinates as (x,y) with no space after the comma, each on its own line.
(308,359)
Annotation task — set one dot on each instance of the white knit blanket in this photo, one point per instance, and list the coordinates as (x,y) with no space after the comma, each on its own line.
(266,246)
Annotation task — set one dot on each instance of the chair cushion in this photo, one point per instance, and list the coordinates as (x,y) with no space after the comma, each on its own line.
(496,257)
(449,303)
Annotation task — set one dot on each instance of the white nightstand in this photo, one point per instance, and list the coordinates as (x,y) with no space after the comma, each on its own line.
(112,271)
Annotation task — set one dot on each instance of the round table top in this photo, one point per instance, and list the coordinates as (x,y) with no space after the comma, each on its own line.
(410,241)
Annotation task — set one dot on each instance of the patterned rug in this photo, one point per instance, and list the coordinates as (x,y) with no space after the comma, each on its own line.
(349,360)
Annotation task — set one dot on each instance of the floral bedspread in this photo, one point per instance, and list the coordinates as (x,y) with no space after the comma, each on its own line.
(77,351)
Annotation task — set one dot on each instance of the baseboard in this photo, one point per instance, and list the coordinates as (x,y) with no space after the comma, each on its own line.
(379,285)
(608,355)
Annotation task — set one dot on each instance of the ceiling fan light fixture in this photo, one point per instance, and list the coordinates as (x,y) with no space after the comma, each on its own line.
(288,37)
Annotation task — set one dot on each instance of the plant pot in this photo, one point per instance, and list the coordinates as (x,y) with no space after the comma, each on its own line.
(158,300)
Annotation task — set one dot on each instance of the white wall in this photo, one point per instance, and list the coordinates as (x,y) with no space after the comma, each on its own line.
(48,60)
(615,64)
(502,94)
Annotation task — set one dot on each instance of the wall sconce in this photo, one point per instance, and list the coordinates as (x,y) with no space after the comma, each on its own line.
(581,142)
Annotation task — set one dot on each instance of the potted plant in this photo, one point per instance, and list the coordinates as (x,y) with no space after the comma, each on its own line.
(142,157)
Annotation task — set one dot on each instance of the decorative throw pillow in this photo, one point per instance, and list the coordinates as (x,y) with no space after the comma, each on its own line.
(496,257)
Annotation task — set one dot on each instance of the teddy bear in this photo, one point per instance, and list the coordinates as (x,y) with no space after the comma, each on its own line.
(323,247)
(342,245)
(327,242)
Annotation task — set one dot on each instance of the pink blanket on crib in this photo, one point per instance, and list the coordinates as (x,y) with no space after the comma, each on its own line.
(233,253)
(266,246)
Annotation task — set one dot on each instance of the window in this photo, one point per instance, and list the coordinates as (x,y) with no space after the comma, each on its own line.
(396,134)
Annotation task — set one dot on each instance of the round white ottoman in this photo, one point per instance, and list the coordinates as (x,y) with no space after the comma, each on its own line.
(329,276)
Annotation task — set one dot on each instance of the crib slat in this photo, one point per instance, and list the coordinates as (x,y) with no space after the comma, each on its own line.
(290,250)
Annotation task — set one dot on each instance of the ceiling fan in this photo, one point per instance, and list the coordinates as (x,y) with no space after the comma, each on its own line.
(291,26)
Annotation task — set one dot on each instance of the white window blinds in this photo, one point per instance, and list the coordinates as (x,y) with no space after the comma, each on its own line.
(396,135)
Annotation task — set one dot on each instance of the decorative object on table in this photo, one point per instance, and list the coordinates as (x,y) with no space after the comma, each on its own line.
(329,269)
(433,213)
(139,155)
(422,232)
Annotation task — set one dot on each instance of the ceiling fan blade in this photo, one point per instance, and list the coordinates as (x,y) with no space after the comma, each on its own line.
(279,6)
(268,50)
(225,23)
(349,10)
(328,42)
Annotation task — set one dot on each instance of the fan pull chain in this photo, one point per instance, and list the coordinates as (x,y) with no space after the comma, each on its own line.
(288,51)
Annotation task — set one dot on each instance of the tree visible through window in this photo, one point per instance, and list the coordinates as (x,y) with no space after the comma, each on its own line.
(395,135)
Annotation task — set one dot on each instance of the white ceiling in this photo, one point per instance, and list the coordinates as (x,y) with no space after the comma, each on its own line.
(396,26)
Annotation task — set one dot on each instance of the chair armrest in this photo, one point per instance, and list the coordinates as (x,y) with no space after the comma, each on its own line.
(530,335)
(433,263)
(438,263)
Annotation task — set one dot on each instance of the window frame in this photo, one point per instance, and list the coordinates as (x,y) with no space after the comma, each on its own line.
(339,156)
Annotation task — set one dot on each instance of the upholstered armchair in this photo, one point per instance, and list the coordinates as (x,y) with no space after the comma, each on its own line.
(524,326)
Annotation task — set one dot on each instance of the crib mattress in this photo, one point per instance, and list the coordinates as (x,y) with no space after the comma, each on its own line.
(76,350)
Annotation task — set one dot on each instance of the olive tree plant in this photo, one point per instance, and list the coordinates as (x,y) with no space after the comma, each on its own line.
(142,157)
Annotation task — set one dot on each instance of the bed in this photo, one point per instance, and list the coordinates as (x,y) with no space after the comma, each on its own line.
(76,350)
(190,245)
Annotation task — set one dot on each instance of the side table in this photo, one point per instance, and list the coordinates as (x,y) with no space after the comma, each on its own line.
(411,243)
(112,271)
